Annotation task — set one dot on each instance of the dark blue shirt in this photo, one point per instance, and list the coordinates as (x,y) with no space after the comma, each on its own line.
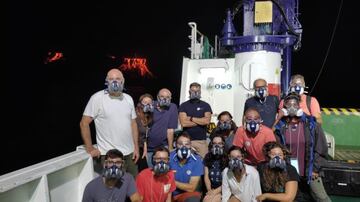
(267,109)
(215,174)
(197,110)
(162,121)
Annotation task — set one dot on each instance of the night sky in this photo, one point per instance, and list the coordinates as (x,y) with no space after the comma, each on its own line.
(44,102)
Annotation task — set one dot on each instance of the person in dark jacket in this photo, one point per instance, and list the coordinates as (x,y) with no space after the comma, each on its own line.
(297,131)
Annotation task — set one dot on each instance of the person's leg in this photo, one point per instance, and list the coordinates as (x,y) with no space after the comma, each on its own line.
(98,165)
(130,166)
(200,146)
(142,162)
(233,199)
(212,198)
(318,191)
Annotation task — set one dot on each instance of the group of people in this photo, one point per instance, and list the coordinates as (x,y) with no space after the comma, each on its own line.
(274,155)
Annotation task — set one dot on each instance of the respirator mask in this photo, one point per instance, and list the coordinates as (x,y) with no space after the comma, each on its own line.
(236,164)
(217,150)
(160,168)
(164,102)
(261,92)
(277,163)
(113,172)
(253,126)
(113,86)
(225,125)
(183,152)
(148,108)
(298,89)
(195,95)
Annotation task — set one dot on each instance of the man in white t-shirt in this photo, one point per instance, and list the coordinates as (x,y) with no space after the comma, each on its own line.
(114,115)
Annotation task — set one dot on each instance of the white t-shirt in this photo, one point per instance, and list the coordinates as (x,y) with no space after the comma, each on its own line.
(248,188)
(112,117)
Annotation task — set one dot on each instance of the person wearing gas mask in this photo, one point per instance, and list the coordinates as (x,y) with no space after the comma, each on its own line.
(266,104)
(188,167)
(157,183)
(278,178)
(252,136)
(194,116)
(308,104)
(307,143)
(225,126)
(240,182)
(144,116)
(114,115)
(215,161)
(114,184)
(165,121)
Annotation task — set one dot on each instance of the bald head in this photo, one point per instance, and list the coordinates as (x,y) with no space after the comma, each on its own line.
(164,92)
(115,74)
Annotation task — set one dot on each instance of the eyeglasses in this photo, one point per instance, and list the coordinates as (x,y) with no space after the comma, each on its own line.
(186,144)
(220,144)
(159,159)
(110,163)
(248,120)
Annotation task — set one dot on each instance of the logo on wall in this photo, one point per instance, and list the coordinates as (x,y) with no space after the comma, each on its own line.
(223,86)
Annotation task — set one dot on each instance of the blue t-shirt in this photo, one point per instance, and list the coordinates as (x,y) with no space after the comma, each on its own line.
(192,167)
(197,110)
(162,120)
(96,191)
(267,109)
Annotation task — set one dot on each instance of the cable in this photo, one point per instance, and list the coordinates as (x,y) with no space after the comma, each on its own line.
(328,50)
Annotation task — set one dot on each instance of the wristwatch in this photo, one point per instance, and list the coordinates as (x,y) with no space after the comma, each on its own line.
(191,118)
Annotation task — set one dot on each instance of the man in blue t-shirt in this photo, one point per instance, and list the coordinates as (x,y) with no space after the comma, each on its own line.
(188,168)
(266,104)
(194,116)
(165,121)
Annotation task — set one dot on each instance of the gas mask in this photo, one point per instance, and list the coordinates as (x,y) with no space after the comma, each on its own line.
(217,150)
(164,102)
(292,111)
(114,86)
(195,95)
(277,163)
(297,89)
(261,92)
(252,126)
(148,108)
(161,168)
(113,172)
(225,125)
(183,152)
(236,164)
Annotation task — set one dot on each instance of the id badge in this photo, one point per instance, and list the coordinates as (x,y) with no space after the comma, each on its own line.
(294,162)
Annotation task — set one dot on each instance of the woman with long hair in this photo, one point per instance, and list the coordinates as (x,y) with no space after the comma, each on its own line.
(144,109)
(214,162)
(278,178)
(226,127)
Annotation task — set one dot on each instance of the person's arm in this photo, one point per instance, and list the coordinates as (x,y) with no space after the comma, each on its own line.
(189,187)
(168,199)
(185,120)
(86,136)
(135,134)
(206,178)
(170,138)
(135,197)
(288,196)
(203,120)
(226,193)
(144,154)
